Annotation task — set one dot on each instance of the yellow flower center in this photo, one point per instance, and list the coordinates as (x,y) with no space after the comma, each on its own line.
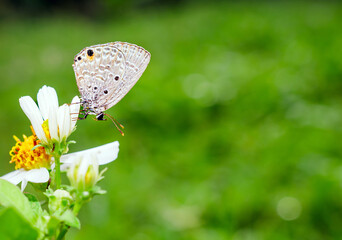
(24,156)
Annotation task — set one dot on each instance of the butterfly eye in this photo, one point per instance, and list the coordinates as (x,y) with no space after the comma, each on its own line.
(90,52)
(116,78)
(105,91)
(79,58)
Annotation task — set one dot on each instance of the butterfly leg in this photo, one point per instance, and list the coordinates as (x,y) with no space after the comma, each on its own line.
(84,116)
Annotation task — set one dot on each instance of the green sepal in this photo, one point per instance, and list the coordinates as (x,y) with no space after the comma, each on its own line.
(37,146)
(68,188)
(48,192)
(49,147)
(69,218)
(71,142)
(86,196)
(96,190)
(61,147)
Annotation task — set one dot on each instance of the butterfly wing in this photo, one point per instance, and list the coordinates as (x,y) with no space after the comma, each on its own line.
(136,61)
(96,69)
(106,72)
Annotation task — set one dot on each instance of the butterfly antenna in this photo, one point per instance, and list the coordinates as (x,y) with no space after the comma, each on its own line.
(119,123)
(113,119)
(116,123)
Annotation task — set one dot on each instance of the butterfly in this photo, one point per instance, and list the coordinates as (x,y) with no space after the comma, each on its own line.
(106,72)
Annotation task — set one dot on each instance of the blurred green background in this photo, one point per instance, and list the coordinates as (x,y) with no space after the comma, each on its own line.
(233,131)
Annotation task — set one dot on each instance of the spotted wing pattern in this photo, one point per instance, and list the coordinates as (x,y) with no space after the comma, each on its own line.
(106,72)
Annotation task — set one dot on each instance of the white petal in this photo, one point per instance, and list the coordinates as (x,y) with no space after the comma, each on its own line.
(83,167)
(74,111)
(53,127)
(47,100)
(15,177)
(48,105)
(32,112)
(40,175)
(64,121)
(23,184)
(43,103)
(108,153)
(104,154)
(53,98)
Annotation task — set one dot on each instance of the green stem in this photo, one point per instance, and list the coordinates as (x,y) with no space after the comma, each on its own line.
(64,230)
(77,207)
(58,171)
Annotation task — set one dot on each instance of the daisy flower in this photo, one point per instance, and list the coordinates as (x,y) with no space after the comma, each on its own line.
(51,123)
(31,162)
(83,167)
(44,149)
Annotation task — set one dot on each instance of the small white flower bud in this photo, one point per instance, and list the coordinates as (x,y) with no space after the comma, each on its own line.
(59,200)
(84,173)
(62,194)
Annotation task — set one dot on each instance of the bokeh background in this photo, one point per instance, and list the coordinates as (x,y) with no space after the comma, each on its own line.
(233,131)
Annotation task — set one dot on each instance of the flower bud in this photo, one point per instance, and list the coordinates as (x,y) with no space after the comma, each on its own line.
(59,200)
(84,173)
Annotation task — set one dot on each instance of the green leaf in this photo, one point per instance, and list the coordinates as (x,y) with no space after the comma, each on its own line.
(35,205)
(40,214)
(11,196)
(69,218)
(14,226)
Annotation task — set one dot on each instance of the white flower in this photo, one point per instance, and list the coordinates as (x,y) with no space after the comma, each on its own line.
(60,121)
(104,154)
(23,176)
(50,123)
(83,172)
(101,155)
